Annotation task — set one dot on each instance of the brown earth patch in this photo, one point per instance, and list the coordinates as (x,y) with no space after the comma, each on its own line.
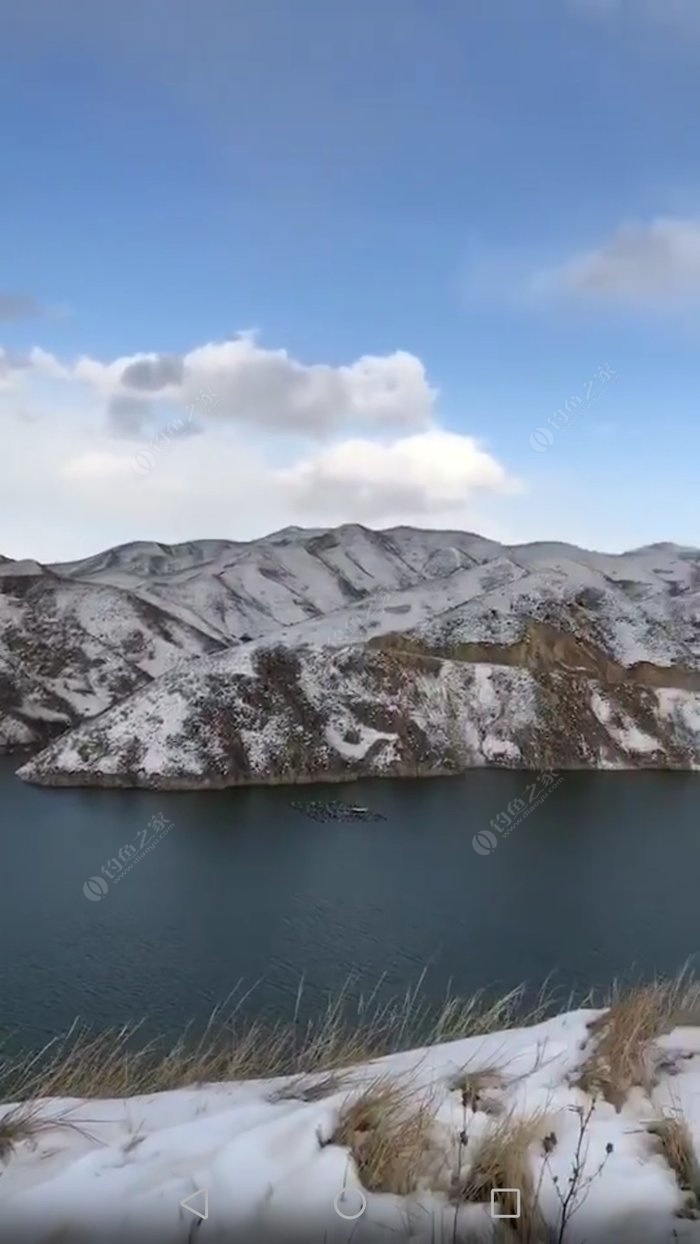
(544,648)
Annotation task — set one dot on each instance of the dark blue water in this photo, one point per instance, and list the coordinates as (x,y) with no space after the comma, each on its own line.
(600,881)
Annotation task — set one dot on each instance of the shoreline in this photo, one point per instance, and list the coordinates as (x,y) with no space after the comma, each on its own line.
(174,784)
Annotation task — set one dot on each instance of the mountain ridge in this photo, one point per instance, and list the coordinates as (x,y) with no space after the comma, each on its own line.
(124,620)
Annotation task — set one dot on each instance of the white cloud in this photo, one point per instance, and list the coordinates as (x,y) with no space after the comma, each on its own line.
(46,364)
(70,485)
(653,265)
(433,471)
(96,466)
(273,390)
(259,387)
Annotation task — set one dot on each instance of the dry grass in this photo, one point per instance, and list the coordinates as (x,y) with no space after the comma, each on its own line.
(122,1063)
(502,1161)
(479,1089)
(15,1126)
(387,1130)
(24,1122)
(303,1088)
(477,1015)
(676,1144)
(115,1064)
(622,1056)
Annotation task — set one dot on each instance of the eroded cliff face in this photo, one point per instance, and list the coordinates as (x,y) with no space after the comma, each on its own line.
(285,715)
(544,649)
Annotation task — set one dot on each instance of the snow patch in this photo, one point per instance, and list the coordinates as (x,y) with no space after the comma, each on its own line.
(123,1166)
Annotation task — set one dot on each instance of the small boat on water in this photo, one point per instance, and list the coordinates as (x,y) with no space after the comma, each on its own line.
(332,810)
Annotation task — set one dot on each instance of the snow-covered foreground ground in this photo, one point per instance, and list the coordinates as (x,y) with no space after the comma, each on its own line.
(116,1170)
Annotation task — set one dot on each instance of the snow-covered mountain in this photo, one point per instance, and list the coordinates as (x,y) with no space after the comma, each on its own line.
(239,592)
(333,652)
(70,649)
(289,714)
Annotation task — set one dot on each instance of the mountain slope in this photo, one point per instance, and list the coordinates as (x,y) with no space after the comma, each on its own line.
(77,639)
(69,650)
(237,592)
(301,714)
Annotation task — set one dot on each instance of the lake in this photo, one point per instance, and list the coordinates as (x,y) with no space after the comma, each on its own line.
(601,880)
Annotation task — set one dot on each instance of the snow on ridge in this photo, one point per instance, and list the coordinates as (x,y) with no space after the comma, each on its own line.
(630,631)
(245,590)
(331,587)
(71,649)
(18,569)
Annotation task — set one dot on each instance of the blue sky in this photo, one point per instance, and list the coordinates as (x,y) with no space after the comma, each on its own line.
(487,200)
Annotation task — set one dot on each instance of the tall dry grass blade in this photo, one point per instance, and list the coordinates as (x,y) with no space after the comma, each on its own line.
(622,1054)
(675,1142)
(387,1130)
(502,1160)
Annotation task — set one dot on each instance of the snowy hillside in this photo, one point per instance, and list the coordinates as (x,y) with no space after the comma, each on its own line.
(77,639)
(297,714)
(69,650)
(246,591)
(645,618)
(296,1159)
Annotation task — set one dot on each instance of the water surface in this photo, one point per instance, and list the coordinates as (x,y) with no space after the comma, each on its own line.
(601,878)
